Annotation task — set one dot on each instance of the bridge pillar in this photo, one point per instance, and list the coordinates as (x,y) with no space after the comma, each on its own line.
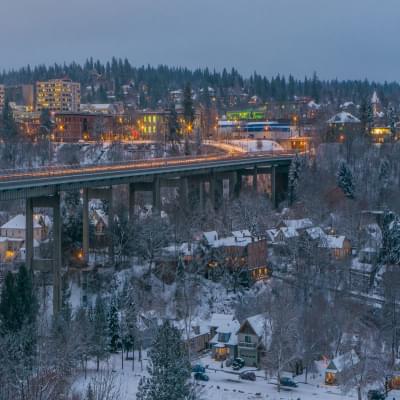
(273,186)
(131,195)
(255,181)
(54,203)
(29,234)
(156,191)
(238,184)
(184,192)
(57,263)
(85,224)
(201,195)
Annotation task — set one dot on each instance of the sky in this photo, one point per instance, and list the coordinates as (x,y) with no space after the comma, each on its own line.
(345,39)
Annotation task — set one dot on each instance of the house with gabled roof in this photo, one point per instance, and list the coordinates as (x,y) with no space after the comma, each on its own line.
(338,365)
(253,337)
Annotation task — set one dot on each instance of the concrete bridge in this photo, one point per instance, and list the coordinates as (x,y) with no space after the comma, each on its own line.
(42,187)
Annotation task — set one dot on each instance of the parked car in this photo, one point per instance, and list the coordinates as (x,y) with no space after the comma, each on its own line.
(238,363)
(201,376)
(376,395)
(198,368)
(248,375)
(288,382)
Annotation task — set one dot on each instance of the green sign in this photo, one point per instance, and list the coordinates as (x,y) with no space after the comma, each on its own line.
(245,115)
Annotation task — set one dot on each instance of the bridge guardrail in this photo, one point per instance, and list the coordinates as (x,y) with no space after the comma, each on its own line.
(60,170)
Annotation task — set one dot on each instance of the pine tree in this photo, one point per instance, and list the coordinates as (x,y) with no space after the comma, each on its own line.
(345,180)
(99,331)
(130,329)
(390,252)
(9,128)
(113,326)
(8,305)
(169,368)
(392,119)
(294,176)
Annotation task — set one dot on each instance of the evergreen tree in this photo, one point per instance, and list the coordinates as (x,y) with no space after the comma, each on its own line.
(9,130)
(8,305)
(188,110)
(130,329)
(45,123)
(90,393)
(345,180)
(173,126)
(390,252)
(169,368)
(392,119)
(113,326)
(99,331)
(294,176)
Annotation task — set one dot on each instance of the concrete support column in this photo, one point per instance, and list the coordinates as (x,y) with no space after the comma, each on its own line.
(29,234)
(57,262)
(156,194)
(273,186)
(131,195)
(213,190)
(238,184)
(255,179)
(201,195)
(85,224)
(184,192)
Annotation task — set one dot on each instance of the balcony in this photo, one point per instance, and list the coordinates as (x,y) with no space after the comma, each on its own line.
(248,345)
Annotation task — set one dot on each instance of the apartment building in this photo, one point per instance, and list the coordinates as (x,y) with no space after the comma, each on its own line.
(58,95)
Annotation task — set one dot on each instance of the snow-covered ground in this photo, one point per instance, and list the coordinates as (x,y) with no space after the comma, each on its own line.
(225,384)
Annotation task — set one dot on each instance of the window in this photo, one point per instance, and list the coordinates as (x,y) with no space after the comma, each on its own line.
(247,339)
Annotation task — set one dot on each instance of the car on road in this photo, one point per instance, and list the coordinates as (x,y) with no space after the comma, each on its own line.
(201,376)
(238,363)
(248,375)
(376,395)
(198,368)
(288,382)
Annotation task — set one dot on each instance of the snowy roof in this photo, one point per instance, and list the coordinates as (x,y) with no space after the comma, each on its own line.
(241,234)
(333,241)
(18,222)
(298,223)
(100,215)
(343,361)
(257,322)
(220,319)
(316,233)
(271,233)
(356,265)
(211,237)
(313,105)
(229,327)
(289,233)
(347,104)
(344,118)
(185,249)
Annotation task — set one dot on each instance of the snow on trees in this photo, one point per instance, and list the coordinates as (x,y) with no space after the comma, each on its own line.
(345,180)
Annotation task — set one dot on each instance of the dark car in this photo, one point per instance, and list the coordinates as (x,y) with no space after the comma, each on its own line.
(201,376)
(238,363)
(248,376)
(198,368)
(288,382)
(376,395)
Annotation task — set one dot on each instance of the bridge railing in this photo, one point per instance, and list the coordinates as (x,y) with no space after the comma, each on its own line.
(55,170)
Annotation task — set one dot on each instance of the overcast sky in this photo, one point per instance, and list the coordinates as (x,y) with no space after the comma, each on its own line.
(335,38)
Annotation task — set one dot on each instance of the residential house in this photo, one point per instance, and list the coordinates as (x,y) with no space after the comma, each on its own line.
(224,342)
(16,228)
(240,250)
(297,224)
(338,246)
(252,340)
(338,365)
(343,126)
(196,335)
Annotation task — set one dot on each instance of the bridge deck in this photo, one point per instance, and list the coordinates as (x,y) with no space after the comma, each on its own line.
(15,184)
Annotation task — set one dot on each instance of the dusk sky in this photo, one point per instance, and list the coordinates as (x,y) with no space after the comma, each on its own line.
(335,38)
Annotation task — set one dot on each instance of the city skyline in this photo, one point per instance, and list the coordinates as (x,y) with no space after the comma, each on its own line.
(344,40)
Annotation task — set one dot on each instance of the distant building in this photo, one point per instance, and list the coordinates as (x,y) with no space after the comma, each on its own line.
(224,342)
(58,95)
(343,126)
(2,96)
(151,123)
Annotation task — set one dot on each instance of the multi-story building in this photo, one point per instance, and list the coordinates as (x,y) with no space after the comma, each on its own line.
(58,95)
(2,96)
